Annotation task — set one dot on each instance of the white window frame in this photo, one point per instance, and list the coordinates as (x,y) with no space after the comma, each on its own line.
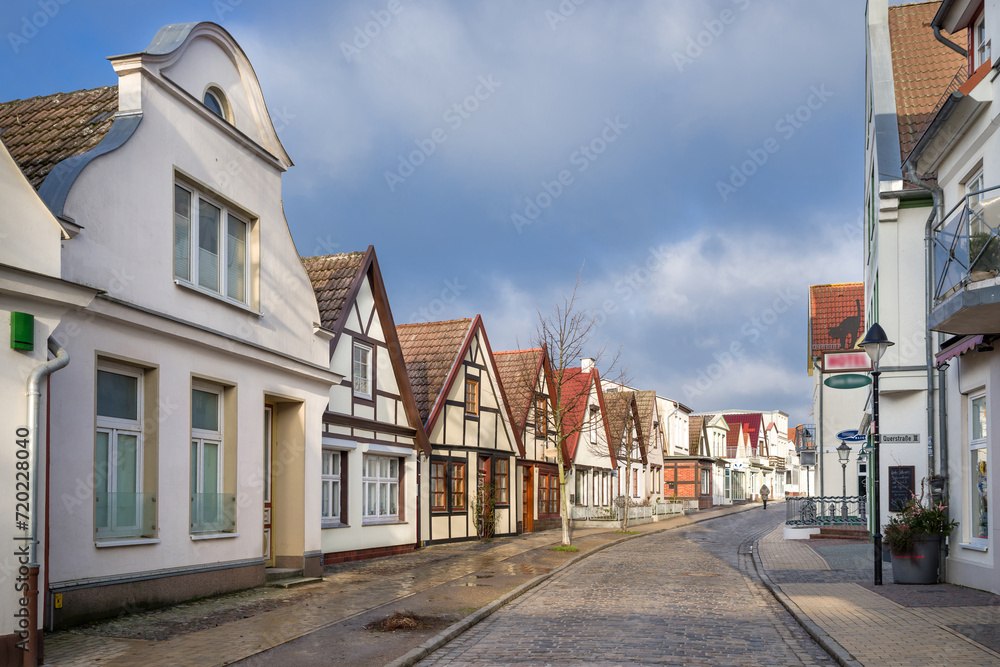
(581,486)
(367,365)
(115,426)
(330,485)
(199,438)
(391,484)
(192,278)
(981,42)
(976,445)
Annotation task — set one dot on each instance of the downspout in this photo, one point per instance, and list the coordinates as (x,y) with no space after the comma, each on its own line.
(947,42)
(31,656)
(937,212)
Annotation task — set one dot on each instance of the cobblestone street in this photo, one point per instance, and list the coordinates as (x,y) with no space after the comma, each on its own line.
(686,597)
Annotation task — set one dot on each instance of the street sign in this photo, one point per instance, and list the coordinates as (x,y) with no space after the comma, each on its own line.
(852,435)
(847,381)
(900,438)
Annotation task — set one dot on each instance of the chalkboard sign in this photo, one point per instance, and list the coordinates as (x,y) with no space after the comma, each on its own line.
(901,487)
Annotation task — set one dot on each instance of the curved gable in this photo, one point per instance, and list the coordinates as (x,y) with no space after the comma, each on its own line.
(189,58)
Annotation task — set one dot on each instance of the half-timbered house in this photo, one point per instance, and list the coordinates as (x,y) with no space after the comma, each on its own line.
(469,425)
(372,432)
(525,377)
(626,439)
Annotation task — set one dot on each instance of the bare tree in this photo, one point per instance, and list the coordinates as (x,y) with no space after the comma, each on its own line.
(565,333)
(625,441)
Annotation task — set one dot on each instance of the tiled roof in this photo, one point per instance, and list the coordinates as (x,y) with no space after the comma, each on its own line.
(619,406)
(922,67)
(332,277)
(646,400)
(694,431)
(733,436)
(430,350)
(752,423)
(518,374)
(41,132)
(836,316)
(574,394)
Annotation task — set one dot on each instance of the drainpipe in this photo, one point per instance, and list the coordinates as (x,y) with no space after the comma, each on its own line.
(937,213)
(31,656)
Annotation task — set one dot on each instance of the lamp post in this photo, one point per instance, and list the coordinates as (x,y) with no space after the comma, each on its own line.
(875,344)
(843,454)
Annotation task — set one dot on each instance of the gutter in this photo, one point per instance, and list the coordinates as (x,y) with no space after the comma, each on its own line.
(936,25)
(30,538)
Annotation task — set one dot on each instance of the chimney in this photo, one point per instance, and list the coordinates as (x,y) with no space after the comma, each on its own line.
(586,364)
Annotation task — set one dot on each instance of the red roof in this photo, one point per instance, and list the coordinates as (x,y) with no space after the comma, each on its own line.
(752,423)
(922,68)
(836,317)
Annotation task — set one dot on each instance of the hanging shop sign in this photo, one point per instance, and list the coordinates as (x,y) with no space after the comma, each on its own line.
(847,381)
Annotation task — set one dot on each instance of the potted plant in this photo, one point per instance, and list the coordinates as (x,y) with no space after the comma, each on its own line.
(914,538)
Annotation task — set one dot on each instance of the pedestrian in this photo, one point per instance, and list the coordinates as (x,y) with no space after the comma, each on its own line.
(764,493)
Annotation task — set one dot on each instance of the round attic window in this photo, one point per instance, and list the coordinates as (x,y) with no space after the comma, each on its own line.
(215,101)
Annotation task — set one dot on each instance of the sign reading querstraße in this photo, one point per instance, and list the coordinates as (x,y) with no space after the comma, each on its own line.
(900,438)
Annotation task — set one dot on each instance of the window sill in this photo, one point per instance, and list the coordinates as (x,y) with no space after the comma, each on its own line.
(333,524)
(213,536)
(218,297)
(975,547)
(382,522)
(128,542)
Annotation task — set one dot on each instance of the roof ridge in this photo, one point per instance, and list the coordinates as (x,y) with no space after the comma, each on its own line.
(56,94)
(424,324)
(533,349)
(333,256)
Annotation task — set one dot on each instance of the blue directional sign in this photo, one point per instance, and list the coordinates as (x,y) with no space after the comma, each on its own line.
(852,435)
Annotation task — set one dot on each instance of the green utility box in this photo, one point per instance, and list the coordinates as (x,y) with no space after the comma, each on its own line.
(22,331)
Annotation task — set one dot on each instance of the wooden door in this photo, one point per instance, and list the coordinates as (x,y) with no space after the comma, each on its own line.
(527,499)
(268,440)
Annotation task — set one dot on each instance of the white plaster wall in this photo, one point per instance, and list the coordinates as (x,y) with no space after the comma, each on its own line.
(29,232)
(124,200)
(75,556)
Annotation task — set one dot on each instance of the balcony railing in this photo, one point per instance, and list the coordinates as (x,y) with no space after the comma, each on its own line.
(966,247)
(121,515)
(826,511)
(213,512)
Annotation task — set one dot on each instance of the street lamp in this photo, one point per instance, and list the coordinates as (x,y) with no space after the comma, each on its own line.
(875,344)
(844,454)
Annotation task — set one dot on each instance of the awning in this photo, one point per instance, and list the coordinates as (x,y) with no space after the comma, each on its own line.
(961,347)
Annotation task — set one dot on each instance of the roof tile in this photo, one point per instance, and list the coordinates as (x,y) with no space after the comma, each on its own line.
(332,277)
(922,68)
(430,350)
(518,374)
(41,132)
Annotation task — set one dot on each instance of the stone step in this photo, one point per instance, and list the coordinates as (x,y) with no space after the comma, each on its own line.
(277,573)
(827,533)
(293,582)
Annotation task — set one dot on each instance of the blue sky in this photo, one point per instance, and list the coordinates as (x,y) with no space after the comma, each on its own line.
(700,162)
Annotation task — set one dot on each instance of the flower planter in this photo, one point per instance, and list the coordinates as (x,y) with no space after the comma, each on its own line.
(920,566)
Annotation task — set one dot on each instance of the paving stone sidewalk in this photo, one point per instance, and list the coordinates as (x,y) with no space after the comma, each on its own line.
(828,588)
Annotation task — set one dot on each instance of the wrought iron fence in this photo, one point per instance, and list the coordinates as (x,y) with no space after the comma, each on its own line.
(826,511)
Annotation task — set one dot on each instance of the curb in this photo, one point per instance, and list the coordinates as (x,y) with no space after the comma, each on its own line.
(819,635)
(451,632)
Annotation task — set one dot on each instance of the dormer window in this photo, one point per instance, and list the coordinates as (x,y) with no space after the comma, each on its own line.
(215,100)
(981,42)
